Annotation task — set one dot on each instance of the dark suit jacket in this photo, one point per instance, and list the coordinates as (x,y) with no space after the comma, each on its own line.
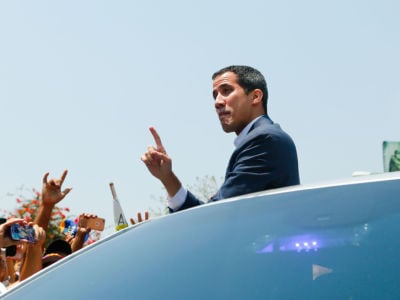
(265,159)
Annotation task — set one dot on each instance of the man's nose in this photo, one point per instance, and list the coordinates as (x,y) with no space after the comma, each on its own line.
(219,101)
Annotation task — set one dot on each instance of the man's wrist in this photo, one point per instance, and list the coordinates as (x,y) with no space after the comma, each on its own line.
(177,200)
(171,184)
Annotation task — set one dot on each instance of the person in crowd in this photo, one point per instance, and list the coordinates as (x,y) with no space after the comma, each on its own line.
(265,156)
(32,256)
(52,194)
(56,250)
(7,273)
(15,260)
(78,238)
(14,250)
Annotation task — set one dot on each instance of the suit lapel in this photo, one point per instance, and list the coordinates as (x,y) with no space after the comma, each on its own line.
(261,122)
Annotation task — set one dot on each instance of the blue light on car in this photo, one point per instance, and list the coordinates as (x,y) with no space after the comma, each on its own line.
(306,246)
(299,243)
(312,242)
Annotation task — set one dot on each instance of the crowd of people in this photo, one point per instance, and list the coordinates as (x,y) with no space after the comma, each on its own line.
(264,158)
(22,258)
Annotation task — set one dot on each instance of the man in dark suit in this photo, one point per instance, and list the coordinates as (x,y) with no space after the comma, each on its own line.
(265,156)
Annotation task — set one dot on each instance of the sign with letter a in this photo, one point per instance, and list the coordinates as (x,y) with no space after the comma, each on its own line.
(119,218)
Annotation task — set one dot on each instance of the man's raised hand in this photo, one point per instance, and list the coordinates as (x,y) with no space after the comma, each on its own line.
(156,158)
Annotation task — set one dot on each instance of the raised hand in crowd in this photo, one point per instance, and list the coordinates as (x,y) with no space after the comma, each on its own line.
(139,218)
(82,231)
(52,193)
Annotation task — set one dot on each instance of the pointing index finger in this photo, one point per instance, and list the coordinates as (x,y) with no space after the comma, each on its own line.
(157,139)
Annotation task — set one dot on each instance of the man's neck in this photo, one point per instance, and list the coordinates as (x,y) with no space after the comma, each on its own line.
(244,131)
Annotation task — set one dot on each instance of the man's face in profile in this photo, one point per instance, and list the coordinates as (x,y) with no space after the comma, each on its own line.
(233,106)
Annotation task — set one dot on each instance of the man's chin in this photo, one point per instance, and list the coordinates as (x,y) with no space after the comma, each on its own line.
(226,128)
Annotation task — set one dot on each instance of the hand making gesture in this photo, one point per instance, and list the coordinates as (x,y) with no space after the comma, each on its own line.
(159,164)
(156,159)
(51,195)
(51,190)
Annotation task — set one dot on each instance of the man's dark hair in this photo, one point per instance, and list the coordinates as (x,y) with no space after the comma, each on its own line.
(249,79)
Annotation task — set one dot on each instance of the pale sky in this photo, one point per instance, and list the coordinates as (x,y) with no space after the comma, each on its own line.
(81,82)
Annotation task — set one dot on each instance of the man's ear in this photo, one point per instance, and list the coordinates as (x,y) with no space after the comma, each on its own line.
(256,96)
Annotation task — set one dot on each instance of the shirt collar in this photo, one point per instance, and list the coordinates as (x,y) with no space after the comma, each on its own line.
(244,132)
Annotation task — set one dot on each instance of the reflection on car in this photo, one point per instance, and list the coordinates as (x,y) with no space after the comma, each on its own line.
(337,240)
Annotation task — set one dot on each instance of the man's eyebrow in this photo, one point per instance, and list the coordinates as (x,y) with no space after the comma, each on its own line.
(224,85)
